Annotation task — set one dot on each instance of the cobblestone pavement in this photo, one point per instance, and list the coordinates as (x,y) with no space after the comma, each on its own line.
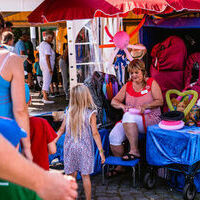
(120,188)
(37,106)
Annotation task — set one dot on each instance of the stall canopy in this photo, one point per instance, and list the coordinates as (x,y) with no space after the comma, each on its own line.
(179,5)
(58,10)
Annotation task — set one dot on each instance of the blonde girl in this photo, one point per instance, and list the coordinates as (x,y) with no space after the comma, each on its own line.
(80,127)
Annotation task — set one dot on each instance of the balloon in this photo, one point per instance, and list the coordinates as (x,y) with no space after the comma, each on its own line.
(187,92)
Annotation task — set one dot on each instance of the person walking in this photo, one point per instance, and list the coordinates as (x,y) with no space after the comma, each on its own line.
(47,61)
(64,64)
(81,128)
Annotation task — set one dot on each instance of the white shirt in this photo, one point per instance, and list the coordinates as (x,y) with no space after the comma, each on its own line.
(45,49)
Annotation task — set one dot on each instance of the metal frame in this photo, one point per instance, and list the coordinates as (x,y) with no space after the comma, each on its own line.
(133,173)
(73,28)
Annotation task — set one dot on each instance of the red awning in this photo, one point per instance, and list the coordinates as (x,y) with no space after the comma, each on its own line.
(59,10)
(179,5)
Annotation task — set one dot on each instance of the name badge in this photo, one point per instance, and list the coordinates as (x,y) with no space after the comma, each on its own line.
(144,91)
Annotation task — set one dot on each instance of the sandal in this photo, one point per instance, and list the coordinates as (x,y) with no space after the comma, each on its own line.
(130,157)
(114,173)
(58,166)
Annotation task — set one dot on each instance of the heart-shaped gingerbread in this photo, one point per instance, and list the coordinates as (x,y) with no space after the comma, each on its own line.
(187,92)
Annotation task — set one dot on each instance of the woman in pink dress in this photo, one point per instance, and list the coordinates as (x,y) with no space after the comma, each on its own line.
(141,93)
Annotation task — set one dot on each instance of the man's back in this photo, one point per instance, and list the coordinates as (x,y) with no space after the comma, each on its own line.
(20,47)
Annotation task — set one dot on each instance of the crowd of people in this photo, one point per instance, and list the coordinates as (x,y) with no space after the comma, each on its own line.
(41,67)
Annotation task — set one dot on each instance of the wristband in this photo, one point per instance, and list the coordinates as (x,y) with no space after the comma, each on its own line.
(101,151)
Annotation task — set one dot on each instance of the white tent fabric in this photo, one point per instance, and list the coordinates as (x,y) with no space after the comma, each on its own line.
(112,24)
(19,5)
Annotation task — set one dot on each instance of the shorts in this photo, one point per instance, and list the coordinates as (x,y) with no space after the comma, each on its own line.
(118,135)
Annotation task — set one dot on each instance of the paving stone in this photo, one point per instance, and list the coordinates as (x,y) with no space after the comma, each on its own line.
(112,191)
(154,196)
(128,197)
(141,198)
(102,198)
(108,195)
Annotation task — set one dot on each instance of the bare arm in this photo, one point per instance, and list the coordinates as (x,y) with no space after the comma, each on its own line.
(29,61)
(61,130)
(117,101)
(157,96)
(32,176)
(52,147)
(96,136)
(22,52)
(20,109)
(49,63)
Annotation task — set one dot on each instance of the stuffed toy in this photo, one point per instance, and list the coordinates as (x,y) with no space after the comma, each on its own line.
(180,105)
(185,103)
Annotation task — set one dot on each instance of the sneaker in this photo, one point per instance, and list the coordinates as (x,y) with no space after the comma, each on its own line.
(67,98)
(51,95)
(47,101)
(57,94)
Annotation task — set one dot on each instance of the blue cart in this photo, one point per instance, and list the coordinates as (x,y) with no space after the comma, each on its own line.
(178,151)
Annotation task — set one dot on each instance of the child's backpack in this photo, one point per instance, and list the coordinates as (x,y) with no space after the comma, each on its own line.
(192,76)
(168,64)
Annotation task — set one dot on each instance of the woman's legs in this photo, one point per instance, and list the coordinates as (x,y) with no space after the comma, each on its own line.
(51,89)
(131,131)
(116,137)
(87,186)
(45,96)
(117,150)
(46,84)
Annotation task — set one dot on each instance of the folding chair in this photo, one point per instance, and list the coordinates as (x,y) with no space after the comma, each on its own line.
(111,160)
